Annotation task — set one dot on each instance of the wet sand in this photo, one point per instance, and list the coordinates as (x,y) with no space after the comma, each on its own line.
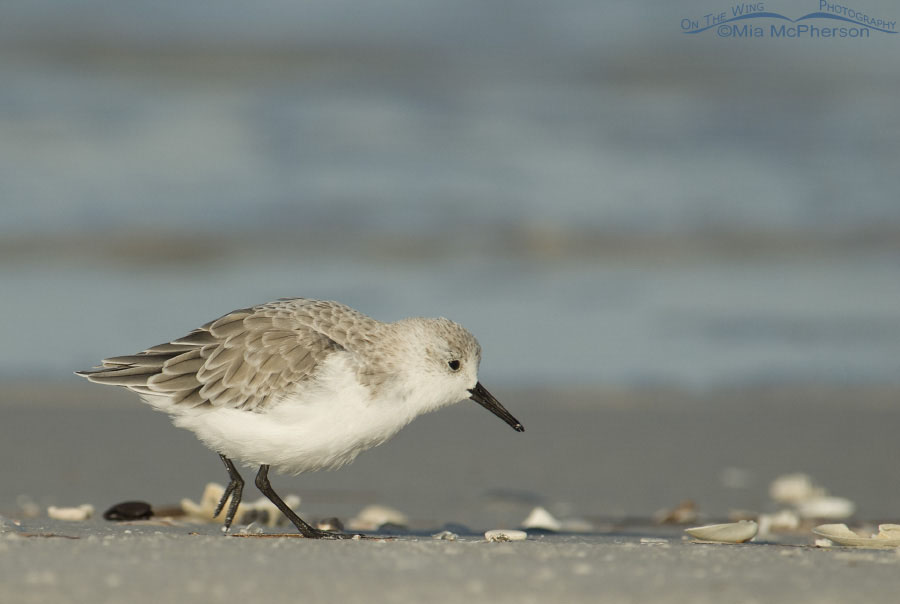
(609,457)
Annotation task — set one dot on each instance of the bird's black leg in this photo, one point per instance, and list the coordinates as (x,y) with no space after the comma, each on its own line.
(262,483)
(235,489)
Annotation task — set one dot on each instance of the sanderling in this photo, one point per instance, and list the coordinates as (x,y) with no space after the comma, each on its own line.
(302,385)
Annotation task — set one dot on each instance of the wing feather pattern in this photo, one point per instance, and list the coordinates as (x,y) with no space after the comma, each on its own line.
(244,359)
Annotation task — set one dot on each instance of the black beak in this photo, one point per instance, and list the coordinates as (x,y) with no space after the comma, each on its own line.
(484,398)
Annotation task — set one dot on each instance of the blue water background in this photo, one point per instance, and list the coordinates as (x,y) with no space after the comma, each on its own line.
(599,197)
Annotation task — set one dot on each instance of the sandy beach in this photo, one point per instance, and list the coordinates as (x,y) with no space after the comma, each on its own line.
(606,459)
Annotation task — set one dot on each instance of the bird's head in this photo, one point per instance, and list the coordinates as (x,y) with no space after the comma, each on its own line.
(442,367)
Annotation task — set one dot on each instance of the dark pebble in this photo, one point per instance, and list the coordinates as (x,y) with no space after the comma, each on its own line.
(129,510)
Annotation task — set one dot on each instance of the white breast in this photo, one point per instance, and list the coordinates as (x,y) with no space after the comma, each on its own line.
(325,424)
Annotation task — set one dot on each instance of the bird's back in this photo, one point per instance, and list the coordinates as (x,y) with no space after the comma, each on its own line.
(243,360)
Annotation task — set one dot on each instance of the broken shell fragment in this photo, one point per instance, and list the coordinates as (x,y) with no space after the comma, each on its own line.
(654,541)
(783,521)
(835,531)
(808,499)
(826,507)
(77,514)
(501,535)
(888,531)
(888,535)
(330,524)
(373,517)
(262,510)
(203,511)
(683,513)
(794,488)
(541,519)
(730,532)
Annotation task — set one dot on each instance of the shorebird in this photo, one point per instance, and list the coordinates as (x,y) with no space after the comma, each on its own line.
(300,385)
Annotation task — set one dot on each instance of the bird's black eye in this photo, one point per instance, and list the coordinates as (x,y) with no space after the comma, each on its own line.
(454,365)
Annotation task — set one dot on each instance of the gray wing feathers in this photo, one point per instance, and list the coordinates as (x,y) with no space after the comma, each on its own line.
(244,359)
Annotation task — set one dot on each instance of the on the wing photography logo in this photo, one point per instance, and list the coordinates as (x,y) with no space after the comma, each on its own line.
(754,20)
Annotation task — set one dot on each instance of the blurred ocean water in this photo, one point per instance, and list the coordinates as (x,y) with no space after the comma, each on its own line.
(599,197)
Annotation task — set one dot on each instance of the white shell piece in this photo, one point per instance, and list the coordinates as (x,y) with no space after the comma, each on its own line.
(783,521)
(82,512)
(498,535)
(539,518)
(794,488)
(841,531)
(888,535)
(212,493)
(445,536)
(826,507)
(730,532)
(371,517)
(683,513)
(203,511)
(888,531)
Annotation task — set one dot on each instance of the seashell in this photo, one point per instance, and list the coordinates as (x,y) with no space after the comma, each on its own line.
(262,510)
(684,512)
(539,518)
(888,531)
(826,507)
(841,531)
(794,488)
(730,532)
(372,517)
(330,524)
(445,536)
(501,535)
(203,511)
(654,541)
(783,521)
(82,512)
(888,535)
